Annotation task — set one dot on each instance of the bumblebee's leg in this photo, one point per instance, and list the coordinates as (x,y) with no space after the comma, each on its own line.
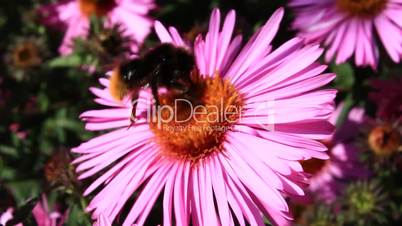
(134,99)
(154,83)
(133,112)
(154,88)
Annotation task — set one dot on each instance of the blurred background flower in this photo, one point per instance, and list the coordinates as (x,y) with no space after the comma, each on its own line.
(131,15)
(387,95)
(349,28)
(329,177)
(366,203)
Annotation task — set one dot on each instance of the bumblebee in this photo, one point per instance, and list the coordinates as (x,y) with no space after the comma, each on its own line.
(164,66)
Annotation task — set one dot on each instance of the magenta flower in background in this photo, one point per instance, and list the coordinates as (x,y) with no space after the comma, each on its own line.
(351,27)
(328,176)
(74,15)
(245,169)
(43,216)
(387,95)
(46,217)
(6,216)
(15,128)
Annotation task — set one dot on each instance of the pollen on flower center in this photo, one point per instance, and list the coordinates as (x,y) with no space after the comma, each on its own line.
(26,54)
(193,126)
(96,7)
(362,8)
(384,140)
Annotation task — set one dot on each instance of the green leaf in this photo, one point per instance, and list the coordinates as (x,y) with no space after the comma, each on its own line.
(6,150)
(347,106)
(96,24)
(24,189)
(77,217)
(6,173)
(345,78)
(72,60)
(43,101)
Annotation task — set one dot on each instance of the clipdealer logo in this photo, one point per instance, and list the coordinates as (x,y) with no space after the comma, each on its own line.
(208,117)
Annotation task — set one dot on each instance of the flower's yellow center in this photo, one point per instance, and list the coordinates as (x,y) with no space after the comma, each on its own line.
(193,126)
(26,55)
(362,8)
(96,7)
(384,140)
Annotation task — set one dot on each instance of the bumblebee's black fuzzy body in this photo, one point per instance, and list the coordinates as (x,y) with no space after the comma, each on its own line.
(164,66)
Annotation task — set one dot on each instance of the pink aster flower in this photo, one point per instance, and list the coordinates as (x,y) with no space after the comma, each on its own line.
(328,176)
(131,15)
(45,217)
(102,221)
(15,128)
(6,216)
(350,27)
(244,164)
